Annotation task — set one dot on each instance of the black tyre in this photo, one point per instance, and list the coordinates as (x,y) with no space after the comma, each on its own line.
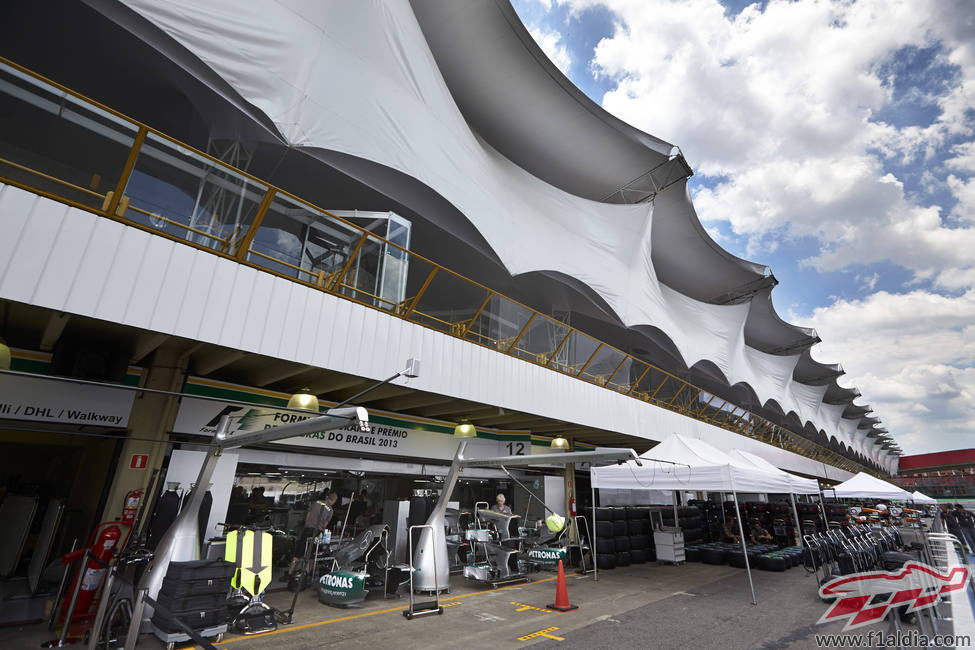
(605,561)
(639,541)
(619,513)
(638,556)
(693,534)
(604,514)
(772,563)
(692,554)
(638,526)
(623,558)
(604,529)
(605,545)
(714,556)
(688,511)
(621,528)
(622,544)
(736,559)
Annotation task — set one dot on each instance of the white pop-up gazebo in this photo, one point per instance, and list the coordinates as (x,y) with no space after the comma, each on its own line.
(680,463)
(920,497)
(864,486)
(798,485)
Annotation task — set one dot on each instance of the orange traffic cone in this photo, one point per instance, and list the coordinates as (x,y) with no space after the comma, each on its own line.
(562,603)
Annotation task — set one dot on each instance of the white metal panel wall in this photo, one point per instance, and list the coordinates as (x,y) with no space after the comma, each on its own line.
(125,275)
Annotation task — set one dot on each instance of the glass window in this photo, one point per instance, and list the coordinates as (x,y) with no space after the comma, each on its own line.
(58,144)
(301,242)
(178,191)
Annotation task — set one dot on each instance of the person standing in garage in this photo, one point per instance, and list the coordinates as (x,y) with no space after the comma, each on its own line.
(499,505)
(316,521)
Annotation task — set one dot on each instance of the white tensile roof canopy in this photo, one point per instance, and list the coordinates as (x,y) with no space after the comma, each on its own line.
(496,131)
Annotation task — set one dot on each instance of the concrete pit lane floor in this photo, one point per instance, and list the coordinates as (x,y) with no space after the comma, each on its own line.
(641,606)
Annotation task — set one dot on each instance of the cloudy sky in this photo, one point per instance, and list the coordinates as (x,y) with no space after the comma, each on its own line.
(833,141)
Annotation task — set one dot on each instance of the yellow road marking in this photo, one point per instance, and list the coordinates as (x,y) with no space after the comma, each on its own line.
(522,607)
(340,619)
(544,633)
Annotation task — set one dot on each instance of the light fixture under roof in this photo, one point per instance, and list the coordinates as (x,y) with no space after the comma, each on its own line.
(560,443)
(465,430)
(303,400)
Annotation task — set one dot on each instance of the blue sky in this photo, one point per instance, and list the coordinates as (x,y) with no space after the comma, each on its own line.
(832,141)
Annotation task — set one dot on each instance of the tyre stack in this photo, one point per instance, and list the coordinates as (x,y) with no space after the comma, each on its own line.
(810,512)
(836,513)
(711,514)
(641,539)
(605,543)
(623,537)
(690,520)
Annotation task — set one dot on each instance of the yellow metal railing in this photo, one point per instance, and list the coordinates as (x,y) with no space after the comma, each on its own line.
(528,334)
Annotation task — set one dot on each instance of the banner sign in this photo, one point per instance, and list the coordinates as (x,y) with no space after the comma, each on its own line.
(49,400)
(389,434)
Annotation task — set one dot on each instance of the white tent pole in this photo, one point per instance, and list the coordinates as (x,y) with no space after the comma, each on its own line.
(595,568)
(795,512)
(744,549)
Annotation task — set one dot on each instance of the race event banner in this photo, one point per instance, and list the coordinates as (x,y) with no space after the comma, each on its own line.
(389,434)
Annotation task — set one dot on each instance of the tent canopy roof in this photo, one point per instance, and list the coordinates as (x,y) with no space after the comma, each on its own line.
(864,486)
(799,485)
(920,497)
(680,463)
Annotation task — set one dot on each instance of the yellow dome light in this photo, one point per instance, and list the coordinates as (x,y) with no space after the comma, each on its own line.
(303,400)
(560,443)
(465,430)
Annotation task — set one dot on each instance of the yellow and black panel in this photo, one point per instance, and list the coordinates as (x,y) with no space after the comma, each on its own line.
(256,552)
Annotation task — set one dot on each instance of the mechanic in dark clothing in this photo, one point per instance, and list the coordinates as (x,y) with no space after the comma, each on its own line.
(316,521)
(966,522)
(758,534)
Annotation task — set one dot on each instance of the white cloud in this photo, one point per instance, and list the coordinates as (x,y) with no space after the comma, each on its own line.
(912,356)
(964,192)
(868,282)
(551,43)
(783,101)
(963,158)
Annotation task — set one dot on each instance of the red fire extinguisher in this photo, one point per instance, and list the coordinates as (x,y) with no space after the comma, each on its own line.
(130,506)
(106,540)
(572,506)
